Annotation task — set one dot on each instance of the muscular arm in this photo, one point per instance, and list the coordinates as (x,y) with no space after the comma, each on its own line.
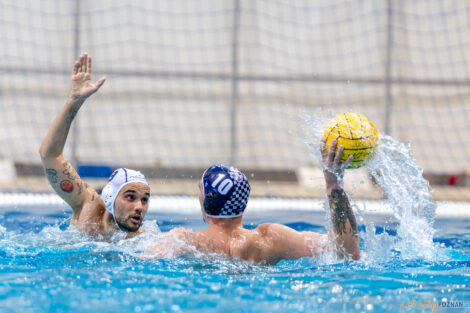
(60,173)
(346,235)
(284,243)
(344,224)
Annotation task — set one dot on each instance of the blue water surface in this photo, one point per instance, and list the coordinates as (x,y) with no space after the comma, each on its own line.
(45,267)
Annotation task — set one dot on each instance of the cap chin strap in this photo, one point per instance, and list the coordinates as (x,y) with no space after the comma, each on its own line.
(115,222)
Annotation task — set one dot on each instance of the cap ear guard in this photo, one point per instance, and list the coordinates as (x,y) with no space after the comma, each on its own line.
(226,191)
(212,203)
(118,179)
(107,196)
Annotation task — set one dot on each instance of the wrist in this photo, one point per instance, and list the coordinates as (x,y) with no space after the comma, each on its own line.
(76,99)
(333,186)
(72,107)
(332,179)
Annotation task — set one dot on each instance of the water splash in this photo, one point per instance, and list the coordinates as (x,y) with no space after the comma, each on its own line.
(408,195)
(29,244)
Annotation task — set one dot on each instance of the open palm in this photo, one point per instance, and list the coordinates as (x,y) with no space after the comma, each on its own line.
(81,85)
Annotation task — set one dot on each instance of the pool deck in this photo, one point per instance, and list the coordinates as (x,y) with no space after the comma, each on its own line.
(307,187)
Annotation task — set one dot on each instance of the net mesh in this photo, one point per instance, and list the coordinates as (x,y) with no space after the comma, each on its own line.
(192,83)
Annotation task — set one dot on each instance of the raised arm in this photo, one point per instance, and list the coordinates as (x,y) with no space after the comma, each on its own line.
(283,242)
(346,234)
(60,173)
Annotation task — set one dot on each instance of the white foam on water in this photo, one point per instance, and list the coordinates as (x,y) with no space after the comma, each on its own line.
(52,237)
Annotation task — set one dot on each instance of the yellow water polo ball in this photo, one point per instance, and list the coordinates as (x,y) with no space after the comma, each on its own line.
(356,133)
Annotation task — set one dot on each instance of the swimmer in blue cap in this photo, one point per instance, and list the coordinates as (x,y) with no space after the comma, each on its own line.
(223,197)
(124,200)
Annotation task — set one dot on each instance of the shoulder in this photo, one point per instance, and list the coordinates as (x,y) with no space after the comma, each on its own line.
(285,235)
(93,209)
(272,229)
(180,233)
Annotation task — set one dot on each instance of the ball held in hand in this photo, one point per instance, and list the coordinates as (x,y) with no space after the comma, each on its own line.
(356,133)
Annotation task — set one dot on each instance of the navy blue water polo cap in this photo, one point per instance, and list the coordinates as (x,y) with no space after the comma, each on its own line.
(226,191)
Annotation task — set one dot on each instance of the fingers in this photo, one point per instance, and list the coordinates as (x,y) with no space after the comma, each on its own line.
(85,63)
(323,149)
(88,62)
(338,155)
(100,83)
(331,152)
(348,161)
(81,63)
(76,67)
(332,157)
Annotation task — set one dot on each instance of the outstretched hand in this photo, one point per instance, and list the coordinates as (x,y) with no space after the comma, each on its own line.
(333,167)
(81,86)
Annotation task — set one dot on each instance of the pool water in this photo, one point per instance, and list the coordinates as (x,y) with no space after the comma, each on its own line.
(409,260)
(47,267)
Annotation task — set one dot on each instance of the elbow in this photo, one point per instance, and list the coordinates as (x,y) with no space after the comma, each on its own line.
(42,152)
(47,153)
(356,255)
(350,257)
(356,252)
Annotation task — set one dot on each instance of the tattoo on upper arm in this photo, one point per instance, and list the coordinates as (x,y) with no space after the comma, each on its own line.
(66,185)
(51,175)
(80,188)
(68,170)
(341,212)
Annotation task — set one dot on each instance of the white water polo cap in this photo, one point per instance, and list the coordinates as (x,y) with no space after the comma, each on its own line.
(226,191)
(118,179)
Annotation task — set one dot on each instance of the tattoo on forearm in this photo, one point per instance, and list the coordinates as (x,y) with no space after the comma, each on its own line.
(72,113)
(341,212)
(51,175)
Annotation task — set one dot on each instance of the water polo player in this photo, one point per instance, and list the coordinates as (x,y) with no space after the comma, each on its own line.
(223,197)
(124,200)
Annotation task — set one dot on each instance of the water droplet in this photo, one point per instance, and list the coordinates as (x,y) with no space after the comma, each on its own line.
(336,289)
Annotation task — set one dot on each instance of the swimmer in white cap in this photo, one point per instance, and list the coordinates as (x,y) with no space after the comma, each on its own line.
(124,200)
(224,193)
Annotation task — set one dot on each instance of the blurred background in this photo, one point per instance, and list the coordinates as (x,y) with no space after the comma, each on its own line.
(241,82)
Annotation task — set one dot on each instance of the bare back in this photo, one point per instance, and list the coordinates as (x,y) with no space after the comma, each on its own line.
(268,243)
